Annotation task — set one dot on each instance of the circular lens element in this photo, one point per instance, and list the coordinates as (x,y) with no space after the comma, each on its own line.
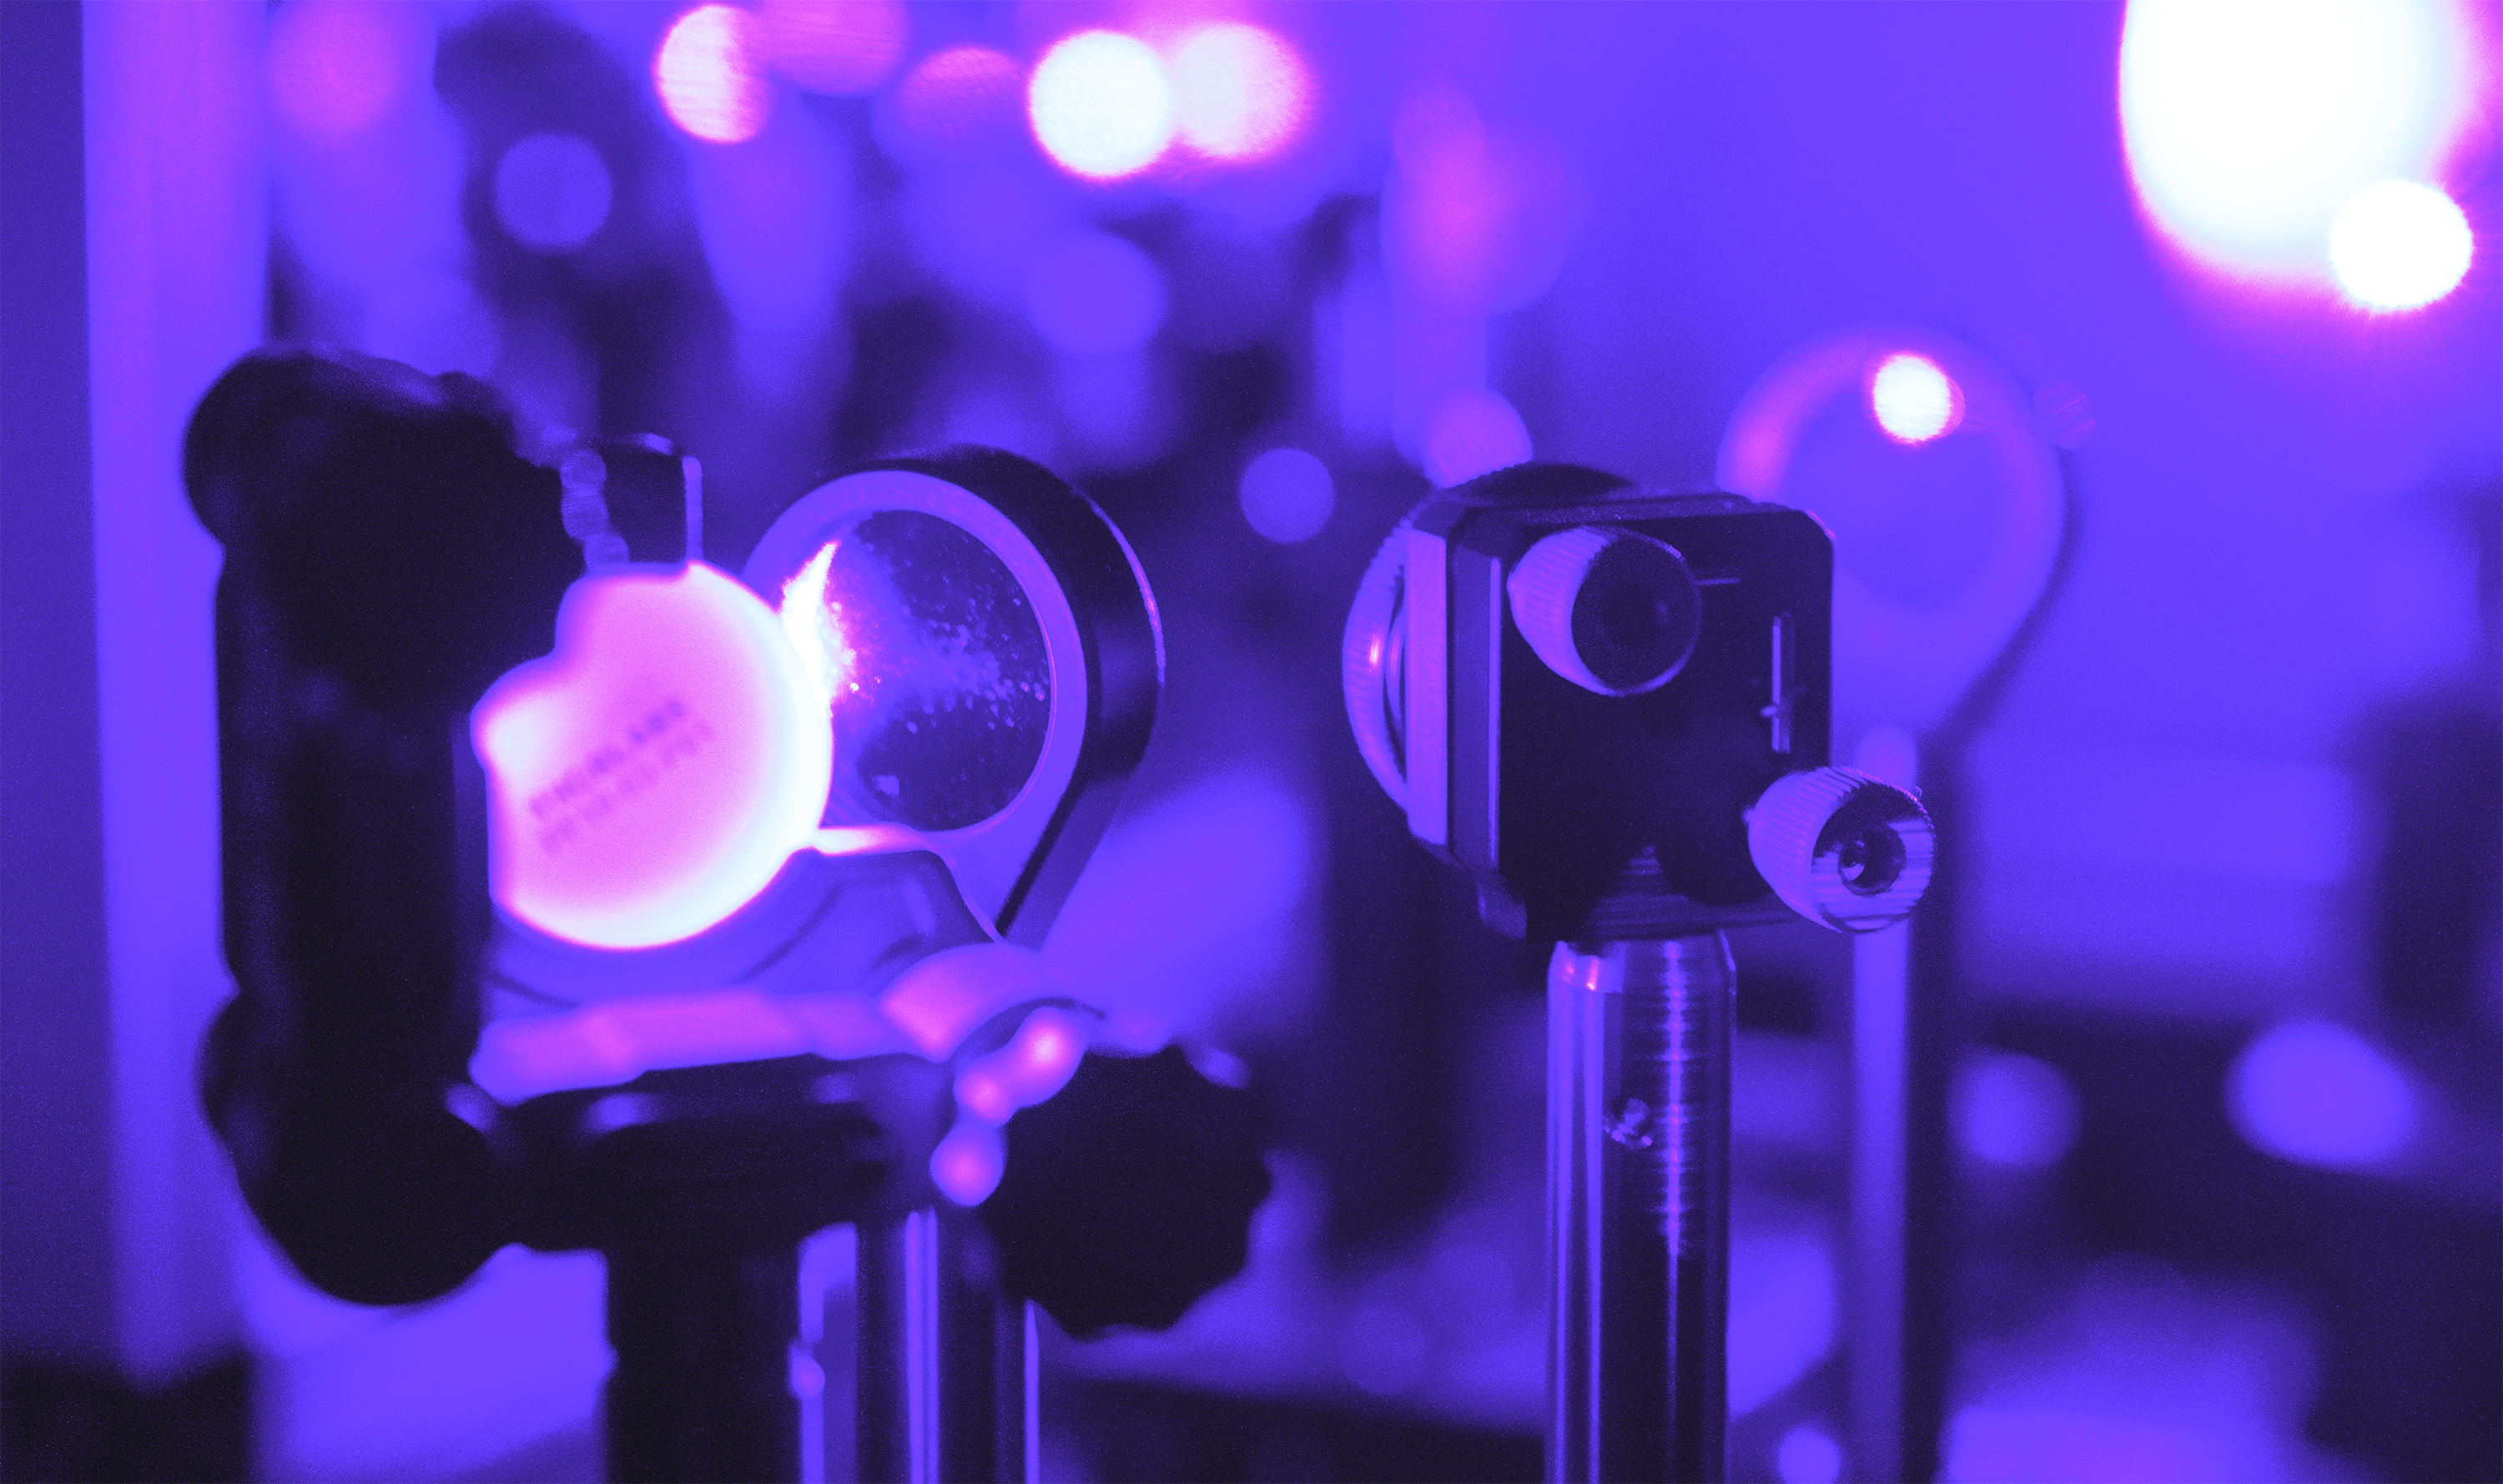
(1611,609)
(933,667)
(1843,850)
(1373,669)
(982,642)
(1870,857)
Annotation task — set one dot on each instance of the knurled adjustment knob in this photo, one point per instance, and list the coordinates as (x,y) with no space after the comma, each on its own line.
(1129,1194)
(1845,851)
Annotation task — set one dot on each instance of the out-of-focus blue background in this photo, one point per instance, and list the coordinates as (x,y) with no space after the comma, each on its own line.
(2228,1201)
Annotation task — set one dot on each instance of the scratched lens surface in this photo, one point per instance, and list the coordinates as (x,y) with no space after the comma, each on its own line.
(940,685)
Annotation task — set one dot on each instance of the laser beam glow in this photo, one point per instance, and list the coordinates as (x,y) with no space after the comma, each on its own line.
(651,775)
(1036,1063)
(814,627)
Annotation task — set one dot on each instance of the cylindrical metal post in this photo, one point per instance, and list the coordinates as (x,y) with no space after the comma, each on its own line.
(987,1381)
(1907,1036)
(1638,1209)
(702,1387)
(896,1339)
(1873,1279)
(946,1378)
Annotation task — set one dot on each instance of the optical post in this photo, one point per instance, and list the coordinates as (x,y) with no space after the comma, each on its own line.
(1611,707)
(1919,680)
(703,931)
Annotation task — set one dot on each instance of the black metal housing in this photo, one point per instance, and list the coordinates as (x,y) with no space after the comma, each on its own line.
(1587,817)
(389,553)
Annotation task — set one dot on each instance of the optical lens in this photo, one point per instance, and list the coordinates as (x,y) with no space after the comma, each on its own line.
(939,684)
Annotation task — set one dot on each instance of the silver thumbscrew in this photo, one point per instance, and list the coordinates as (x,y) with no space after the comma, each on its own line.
(1845,851)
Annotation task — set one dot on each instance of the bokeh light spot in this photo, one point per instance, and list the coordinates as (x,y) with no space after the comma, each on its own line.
(1092,293)
(1470,432)
(838,47)
(552,191)
(1240,93)
(2399,245)
(709,75)
(1287,495)
(2315,1093)
(2248,122)
(1782,1304)
(334,69)
(1808,1454)
(1480,216)
(654,772)
(1101,103)
(2014,1110)
(1913,400)
(961,97)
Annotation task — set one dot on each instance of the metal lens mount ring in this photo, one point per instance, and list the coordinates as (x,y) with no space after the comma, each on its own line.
(1613,611)
(1373,666)
(953,606)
